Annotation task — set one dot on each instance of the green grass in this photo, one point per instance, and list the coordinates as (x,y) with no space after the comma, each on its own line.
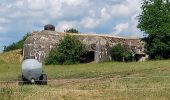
(109,69)
(84,71)
(104,81)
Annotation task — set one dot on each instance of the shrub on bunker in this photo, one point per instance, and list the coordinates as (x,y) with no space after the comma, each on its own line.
(120,53)
(68,51)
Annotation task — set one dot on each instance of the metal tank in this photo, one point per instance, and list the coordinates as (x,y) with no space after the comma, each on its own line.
(32,72)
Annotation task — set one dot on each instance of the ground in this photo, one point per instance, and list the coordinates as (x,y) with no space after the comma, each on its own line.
(105,81)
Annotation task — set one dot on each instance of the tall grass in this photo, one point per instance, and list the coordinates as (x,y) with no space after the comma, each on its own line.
(11,57)
(105,81)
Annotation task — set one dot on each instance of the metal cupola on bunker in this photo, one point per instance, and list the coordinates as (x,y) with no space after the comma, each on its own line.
(49,27)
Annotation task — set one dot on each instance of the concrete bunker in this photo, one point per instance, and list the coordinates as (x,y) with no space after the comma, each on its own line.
(39,44)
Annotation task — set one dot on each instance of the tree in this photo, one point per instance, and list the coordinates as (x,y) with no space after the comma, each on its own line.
(71,30)
(16,45)
(68,51)
(155,22)
(120,53)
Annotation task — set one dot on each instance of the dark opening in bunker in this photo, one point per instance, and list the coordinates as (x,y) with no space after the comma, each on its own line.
(139,56)
(88,57)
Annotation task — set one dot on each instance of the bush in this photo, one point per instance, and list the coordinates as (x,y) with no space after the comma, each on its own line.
(68,51)
(119,53)
(71,30)
(17,45)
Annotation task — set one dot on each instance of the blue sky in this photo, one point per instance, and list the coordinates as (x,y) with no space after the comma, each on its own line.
(113,17)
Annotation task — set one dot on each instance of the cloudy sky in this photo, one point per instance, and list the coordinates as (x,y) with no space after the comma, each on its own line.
(113,17)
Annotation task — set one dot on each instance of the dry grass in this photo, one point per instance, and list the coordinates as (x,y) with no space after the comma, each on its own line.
(10,57)
(87,89)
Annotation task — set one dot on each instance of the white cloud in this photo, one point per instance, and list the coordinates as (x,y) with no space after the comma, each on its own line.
(92,13)
(128,29)
(75,2)
(121,28)
(65,25)
(46,11)
(133,30)
(92,21)
(1,29)
(36,4)
(4,20)
(19,3)
(120,10)
(89,22)
(105,14)
(54,8)
(125,9)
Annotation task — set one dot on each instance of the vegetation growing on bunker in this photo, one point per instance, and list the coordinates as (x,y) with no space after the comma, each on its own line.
(68,51)
(120,53)
(71,30)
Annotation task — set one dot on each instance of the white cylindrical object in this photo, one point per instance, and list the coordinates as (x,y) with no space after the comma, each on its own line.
(31,69)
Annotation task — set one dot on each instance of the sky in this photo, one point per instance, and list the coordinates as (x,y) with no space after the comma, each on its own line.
(113,17)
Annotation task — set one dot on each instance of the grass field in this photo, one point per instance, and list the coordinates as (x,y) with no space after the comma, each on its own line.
(10,57)
(106,81)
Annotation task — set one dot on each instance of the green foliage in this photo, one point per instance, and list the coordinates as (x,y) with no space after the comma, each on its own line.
(68,51)
(119,53)
(16,45)
(155,22)
(71,30)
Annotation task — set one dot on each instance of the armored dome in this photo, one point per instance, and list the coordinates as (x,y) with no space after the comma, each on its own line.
(49,27)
